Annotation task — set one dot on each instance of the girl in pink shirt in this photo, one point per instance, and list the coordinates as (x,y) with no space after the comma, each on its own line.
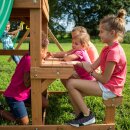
(90,48)
(77,53)
(112,60)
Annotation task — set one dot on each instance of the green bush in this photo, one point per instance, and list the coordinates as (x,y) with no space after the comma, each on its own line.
(127,38)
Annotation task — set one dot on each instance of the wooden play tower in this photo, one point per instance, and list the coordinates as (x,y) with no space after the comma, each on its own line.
(35,13)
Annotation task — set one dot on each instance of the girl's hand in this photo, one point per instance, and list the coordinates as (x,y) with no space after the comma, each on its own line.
(86,65)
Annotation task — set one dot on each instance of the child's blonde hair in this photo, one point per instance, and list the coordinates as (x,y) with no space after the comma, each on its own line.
(80,29)
(83,39)
(115,22)
(82,34)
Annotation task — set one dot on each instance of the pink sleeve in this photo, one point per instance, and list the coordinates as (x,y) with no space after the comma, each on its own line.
(79,54)
(113,55)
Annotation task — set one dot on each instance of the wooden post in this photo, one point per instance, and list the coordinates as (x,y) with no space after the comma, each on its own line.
(35,44)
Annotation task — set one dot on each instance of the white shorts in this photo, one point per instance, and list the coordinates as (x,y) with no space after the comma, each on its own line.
(106,93)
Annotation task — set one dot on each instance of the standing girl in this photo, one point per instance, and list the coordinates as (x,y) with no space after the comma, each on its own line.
(7,41)
(112,60)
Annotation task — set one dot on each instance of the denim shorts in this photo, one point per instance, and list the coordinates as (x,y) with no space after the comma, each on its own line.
(17,107)
(106,93)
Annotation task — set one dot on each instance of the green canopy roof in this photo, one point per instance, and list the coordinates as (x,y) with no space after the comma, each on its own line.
(5,10)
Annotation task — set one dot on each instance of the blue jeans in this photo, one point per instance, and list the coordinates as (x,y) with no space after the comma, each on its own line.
(18,108)
(16,59)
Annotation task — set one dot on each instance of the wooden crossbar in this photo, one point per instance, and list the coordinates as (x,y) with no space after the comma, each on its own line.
(13,52)
(55,40)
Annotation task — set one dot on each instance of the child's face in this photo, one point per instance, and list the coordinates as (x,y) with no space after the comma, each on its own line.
(104,35)
(7,27)
(76,45)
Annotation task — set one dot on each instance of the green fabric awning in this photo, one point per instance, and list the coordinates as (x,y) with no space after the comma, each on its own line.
(5,10)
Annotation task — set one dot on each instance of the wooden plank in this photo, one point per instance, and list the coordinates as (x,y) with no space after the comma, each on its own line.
(27,4)
(13,52)
(110,109)
(59,127)
(55,40)
(47,5)
(51,73)
(57,63)
(35,36)
(45,10)
(36,97)
(46,83)
(110,115)
(21,41)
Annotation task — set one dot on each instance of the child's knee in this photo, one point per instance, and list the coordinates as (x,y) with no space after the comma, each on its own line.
(69,84)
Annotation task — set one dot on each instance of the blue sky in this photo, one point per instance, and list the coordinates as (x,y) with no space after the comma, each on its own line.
(128,25)
(71,25)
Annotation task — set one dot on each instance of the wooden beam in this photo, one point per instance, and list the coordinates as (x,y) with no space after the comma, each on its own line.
(36,101)
(45,9)
(27,4)
(13,52)
(55,40)
(35,36)
(51,73)
(46,83)
(59,127)
(110,109)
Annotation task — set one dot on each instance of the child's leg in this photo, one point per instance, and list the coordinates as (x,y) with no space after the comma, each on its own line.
(7,115)
(19,110)
(77,88)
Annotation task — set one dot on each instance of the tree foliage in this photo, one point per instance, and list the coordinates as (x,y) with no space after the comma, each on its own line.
(86,13)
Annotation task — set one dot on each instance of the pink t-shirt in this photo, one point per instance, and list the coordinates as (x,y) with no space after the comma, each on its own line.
(82,56)
(16,88)
(116,54)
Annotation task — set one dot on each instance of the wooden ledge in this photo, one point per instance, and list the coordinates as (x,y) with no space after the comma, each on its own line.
(113,102)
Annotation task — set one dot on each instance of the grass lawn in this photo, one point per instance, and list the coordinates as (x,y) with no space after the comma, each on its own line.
(60,110)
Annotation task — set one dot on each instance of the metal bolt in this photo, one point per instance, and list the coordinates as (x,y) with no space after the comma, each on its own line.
(110,128)
(58,73)
(35,75)
(36,128)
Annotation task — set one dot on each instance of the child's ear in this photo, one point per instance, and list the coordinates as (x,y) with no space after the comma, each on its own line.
(113,32)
